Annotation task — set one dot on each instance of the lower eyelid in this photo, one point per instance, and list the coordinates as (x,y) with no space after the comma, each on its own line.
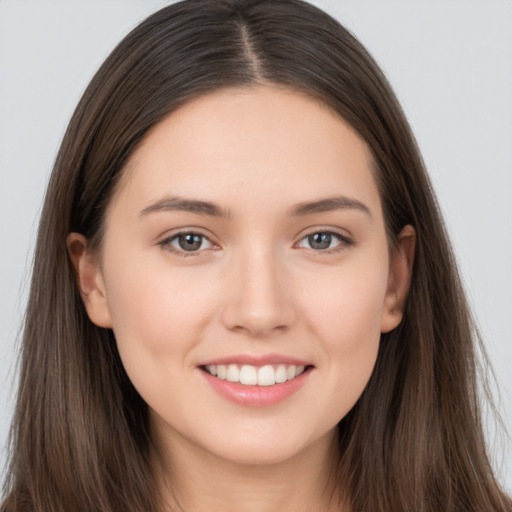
(344,240)
(168,243)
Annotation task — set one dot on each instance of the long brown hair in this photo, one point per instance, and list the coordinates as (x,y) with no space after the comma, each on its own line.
(80,439)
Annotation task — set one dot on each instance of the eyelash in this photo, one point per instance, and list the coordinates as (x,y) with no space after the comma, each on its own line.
(167,243)
(343,240)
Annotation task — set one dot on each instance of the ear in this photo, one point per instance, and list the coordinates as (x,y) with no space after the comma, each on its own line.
(400,271)
(89,280)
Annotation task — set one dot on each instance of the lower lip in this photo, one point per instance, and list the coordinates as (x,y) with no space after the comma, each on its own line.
(256,396)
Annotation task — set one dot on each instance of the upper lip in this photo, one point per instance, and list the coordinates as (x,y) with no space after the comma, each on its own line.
(262,360)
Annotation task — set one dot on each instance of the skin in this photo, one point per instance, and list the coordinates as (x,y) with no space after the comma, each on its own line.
(257,285)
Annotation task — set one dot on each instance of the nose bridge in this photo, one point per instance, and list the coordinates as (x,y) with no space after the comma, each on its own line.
(258,302)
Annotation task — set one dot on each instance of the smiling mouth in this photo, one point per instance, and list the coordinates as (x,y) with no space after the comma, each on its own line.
(249,375)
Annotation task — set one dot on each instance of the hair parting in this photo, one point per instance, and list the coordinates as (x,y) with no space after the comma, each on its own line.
(81,438)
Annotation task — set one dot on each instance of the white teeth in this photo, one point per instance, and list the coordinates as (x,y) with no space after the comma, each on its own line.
(233,374)
(281,374)
(248,375)
(222,371)
(291,372)
(266,376)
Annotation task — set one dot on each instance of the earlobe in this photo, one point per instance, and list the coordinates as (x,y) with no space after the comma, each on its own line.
(89,280)
(399,279)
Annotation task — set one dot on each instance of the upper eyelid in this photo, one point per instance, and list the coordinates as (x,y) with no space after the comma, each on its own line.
(343,234)
(345,241)
(339,232)
(173,233)
(165,242)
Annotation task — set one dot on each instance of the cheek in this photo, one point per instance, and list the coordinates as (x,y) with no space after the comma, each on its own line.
(158,315)
(344,308)
(345,320)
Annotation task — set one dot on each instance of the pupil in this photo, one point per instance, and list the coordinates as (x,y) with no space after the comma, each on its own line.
(320,240)
(190,242)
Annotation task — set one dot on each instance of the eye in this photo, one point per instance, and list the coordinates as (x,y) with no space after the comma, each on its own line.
(324,241)
(186,242)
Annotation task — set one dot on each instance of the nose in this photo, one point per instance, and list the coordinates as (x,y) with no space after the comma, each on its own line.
(258,301)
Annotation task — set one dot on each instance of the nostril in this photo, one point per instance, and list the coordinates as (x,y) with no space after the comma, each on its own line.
(260,328)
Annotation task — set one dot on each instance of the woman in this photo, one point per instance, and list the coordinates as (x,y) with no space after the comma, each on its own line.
(243,295)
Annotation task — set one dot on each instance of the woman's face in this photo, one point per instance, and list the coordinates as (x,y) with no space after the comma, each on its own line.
(246,242)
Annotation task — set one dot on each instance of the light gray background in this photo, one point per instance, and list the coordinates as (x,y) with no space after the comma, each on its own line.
(450,62)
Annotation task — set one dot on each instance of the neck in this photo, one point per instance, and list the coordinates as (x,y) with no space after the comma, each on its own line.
(193,479)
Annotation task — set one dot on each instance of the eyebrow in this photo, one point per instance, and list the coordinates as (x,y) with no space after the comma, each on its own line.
(212,210)
(185,205)
(329,204)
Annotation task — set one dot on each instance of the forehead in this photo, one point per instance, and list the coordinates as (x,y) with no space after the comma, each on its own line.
(247,144)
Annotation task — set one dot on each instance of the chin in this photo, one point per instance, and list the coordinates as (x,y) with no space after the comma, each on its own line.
(266,450)
(245,455)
